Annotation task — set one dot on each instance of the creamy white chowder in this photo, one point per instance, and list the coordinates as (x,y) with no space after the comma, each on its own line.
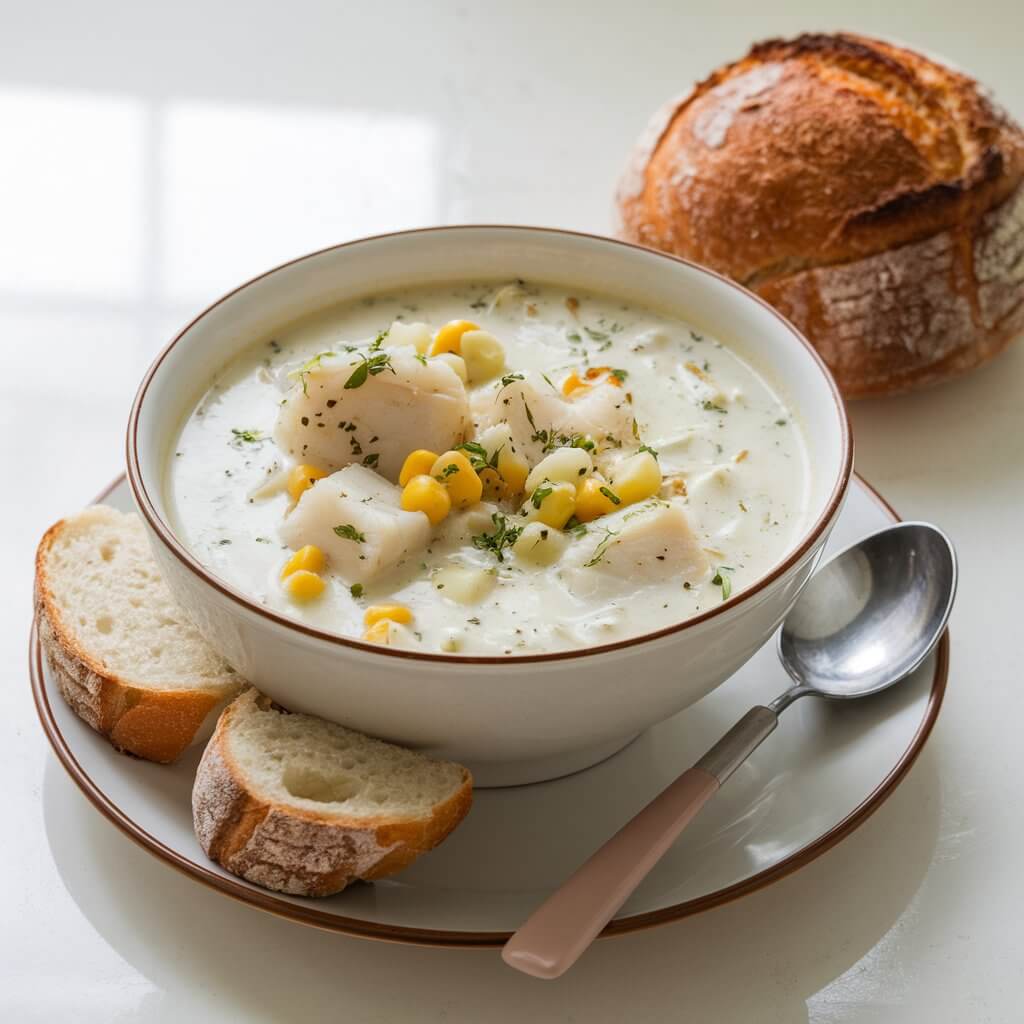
(300,442)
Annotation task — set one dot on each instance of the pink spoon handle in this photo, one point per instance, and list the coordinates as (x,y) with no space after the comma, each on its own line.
(561,928)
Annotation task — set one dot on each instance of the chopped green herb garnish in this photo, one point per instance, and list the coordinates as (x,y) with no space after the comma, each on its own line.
(710,406)
(477,455)
(504,536)
(421,357)
(538,496)
(379,340)
(781,423)
(648,448)
(620,375)
(307,368)
(369,367)
(610,495)
(349,532)
(723,581)
(371,460)
(450,470)
(356,590)
(247,436)
(602,546)
(508,378)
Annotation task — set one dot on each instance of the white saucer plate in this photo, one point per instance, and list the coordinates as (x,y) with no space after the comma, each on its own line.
(810,785)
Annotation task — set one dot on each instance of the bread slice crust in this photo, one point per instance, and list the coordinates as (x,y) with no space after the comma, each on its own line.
(298,851)
(151,723)
(816,172)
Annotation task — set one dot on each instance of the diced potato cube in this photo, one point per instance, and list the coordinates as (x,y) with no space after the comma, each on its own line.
(636,478)
(563,465)
(464,584)
(539,544)
(552,504)
(484,355)
(595,498)
(511,465)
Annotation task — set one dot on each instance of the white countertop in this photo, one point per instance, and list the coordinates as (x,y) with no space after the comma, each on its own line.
(153,156)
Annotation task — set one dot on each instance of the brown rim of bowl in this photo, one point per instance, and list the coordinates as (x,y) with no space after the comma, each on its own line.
(308,915)
(170,541)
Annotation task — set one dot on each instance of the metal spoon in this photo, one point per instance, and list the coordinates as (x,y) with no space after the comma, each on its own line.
(865,620)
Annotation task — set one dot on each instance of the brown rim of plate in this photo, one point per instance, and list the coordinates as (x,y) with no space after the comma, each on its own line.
(170,541)
(307,914)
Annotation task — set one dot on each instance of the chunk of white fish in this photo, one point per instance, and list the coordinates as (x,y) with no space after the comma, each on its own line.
(539,418)
(379,422)
(648,543)
(354,517)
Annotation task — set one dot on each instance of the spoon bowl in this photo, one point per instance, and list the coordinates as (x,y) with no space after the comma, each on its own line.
(872,614)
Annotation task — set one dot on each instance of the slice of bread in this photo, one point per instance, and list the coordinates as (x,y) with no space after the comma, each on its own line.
(302,806)
(125,656)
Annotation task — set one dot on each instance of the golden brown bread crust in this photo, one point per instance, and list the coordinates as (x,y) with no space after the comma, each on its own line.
(298,852)
(157,725)
(820,172)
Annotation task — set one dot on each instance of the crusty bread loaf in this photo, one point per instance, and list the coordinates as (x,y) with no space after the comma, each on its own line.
(873,195)
(303,806)
(124,655)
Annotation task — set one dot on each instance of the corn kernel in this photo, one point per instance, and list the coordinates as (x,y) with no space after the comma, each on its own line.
(563,465)
(552,504)
(391,612)
(591,501)
(464,486)
(457,363)
(573,383)
(484,356)
(310,558)
(424,494)
(304,585)
(539,544)
(416,464)
(301,478)
(379,632)
(449,337)
(637,478)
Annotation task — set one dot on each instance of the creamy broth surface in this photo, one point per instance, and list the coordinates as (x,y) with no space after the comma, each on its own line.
(733,463)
